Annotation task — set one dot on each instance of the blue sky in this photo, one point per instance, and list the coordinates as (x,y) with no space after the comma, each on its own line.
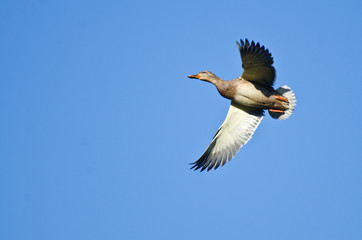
(99,121)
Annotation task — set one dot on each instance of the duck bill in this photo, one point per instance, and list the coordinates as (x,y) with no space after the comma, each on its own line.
(194,76)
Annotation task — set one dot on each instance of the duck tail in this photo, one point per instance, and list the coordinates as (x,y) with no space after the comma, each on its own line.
(287,93)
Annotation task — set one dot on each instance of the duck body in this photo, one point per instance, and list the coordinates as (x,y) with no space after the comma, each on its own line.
(255,95)
(250,95)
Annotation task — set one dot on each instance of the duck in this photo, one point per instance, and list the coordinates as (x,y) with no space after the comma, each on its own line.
(251,94)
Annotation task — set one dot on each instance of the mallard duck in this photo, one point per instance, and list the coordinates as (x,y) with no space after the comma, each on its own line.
(250,95)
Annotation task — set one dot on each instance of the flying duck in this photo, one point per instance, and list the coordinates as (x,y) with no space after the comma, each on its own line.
(250,95)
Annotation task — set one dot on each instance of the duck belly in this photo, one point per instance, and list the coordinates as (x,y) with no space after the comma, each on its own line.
(251,96)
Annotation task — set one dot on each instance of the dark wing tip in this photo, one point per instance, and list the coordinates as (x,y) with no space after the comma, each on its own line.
(204,162)
(209,161)
(255,48)
(246,42)
(201,162)
(195,165)
(242,42)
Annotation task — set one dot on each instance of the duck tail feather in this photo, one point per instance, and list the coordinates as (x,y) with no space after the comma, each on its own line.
(286,92)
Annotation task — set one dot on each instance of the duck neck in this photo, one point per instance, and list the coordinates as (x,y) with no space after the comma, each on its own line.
(223,87)
(215,80)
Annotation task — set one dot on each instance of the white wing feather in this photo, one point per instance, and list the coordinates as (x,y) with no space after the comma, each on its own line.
(237,129)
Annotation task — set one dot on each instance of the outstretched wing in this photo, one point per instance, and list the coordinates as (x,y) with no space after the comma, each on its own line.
(257,63)
(235,132)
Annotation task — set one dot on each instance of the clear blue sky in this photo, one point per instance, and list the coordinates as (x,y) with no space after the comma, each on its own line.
(99,121)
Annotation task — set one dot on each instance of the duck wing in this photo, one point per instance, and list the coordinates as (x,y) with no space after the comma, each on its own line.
(237,129)
(257,63)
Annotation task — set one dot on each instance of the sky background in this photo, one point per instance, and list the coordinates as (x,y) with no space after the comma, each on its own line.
(99,121)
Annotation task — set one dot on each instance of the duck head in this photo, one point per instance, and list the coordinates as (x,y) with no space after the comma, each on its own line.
(205,76)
